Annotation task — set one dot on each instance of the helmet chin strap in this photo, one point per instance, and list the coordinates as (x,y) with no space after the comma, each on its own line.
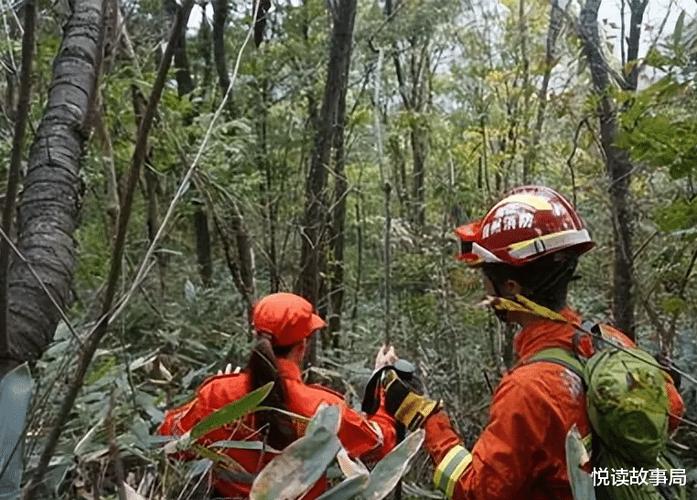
(502,315)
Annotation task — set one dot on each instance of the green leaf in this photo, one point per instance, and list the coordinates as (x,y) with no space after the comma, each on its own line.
(347,489)
(243,445)
(679,27)
(15,395)
(303,462)
(231,412)
(576,456)
(387,473)
(680,214)
(674,305)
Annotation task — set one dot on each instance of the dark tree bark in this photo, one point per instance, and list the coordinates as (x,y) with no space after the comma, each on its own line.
(20,126)
(637,9)
(50,201)
(314,219)
(203,243)
(185,82)
(619,168)
(220,11)
(267,188)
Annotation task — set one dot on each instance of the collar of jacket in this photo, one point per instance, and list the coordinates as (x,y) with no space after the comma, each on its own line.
(288,369)
(543,333)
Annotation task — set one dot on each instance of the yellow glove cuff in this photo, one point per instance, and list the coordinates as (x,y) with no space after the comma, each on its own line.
(414,410)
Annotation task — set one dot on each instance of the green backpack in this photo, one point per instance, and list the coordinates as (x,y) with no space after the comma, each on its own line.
(627,406)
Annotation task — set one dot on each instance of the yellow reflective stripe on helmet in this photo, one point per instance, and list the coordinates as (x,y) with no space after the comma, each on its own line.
(451,468)
(522,244)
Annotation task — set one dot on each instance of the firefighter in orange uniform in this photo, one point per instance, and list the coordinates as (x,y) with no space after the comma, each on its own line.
(528,244)
(283,324)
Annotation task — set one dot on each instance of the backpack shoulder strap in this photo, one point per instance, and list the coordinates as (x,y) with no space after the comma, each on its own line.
(561,357)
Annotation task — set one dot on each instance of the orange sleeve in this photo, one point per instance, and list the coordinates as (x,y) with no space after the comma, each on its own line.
(180,420)
(371,437)
(501,462)
(172,425)
(677,406)
(183,418)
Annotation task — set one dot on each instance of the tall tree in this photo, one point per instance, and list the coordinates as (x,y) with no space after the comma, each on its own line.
(314,220)
(618,164)
(52,189)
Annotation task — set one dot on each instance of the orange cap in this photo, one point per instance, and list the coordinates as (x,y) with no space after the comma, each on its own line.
(286,317)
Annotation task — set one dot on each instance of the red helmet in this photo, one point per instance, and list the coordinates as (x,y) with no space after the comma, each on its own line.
(528,223)
(287,318)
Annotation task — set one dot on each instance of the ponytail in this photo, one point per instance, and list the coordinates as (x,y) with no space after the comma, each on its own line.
(263,369)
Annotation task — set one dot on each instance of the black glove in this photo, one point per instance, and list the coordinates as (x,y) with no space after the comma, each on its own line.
(408,408)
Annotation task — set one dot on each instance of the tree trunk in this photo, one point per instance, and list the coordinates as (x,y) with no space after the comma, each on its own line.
(152,189)
(338,227)
(50,201)
(419,148)
(13,177)
(312,230)
(637,8)
(185,87)
(270,203)
(619,168)
(203,243)
(555,25)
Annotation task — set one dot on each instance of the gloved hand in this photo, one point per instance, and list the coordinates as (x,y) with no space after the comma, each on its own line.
(408,408)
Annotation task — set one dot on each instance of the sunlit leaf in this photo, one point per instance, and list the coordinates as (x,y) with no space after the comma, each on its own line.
(231,412)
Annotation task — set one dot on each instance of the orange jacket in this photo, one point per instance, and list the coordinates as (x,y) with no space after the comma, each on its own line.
(358,436)
(520,453)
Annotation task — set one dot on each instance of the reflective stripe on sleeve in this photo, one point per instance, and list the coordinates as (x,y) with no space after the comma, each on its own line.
(451,468)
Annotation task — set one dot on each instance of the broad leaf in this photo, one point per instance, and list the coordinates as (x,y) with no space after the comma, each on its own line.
(15,395)
(244,445)
(231,412)
(576,456)
(303,462)
(347,489)
(387,473)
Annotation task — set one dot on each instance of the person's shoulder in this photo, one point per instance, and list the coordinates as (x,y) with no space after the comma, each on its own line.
(231,383)
(537,381)
(325,393)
